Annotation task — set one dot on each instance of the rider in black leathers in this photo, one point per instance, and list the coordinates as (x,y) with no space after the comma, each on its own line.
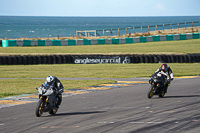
(54,80)
(167,71)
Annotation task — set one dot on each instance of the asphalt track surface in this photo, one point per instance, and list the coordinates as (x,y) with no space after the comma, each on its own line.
(119,110)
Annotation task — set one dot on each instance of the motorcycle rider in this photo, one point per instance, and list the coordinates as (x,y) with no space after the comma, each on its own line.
(56,82)
(167,71)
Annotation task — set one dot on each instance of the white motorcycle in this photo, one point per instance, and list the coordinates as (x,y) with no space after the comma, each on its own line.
(47,100)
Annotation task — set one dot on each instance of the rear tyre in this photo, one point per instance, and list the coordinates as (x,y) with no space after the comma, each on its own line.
(39,108)
(151,91)
(53,111)
(162,93)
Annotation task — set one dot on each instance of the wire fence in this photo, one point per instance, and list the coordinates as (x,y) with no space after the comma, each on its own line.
(133,30)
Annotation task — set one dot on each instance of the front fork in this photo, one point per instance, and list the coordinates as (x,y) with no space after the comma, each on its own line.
(45,99)
(155,87)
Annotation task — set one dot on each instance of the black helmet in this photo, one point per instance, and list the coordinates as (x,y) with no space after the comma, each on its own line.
(164,67)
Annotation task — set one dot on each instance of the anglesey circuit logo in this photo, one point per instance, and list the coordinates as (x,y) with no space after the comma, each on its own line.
(102,60)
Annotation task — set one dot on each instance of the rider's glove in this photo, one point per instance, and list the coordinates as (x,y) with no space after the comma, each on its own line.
(61,91)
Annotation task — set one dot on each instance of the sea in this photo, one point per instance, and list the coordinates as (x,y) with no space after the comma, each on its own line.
(12,27)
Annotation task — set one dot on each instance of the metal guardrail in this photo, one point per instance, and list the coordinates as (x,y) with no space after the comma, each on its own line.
(100,41)
(87,33)
(133,30)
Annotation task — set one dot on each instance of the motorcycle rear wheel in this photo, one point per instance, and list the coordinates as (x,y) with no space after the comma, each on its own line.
(53,111)
(151,91)
(39,108)
(162,94)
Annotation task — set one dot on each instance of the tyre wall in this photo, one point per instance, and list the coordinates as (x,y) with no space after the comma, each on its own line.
(95,59)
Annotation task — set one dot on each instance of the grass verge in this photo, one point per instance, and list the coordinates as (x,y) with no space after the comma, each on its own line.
(12,87)
(94,70)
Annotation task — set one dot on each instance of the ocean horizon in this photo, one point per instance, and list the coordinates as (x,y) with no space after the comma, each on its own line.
(51,26)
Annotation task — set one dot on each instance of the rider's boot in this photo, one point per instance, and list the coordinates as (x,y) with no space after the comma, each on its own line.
(59,100)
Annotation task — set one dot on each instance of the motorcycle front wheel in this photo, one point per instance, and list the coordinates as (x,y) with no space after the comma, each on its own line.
(39,108)
(151,91)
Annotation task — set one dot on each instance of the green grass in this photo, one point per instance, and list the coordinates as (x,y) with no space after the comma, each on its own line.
(11,87)
(94,70)
(165,47)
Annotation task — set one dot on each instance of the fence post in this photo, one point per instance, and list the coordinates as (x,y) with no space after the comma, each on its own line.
(178,26)
(170,26)
(103,33)
(141,29)
(185,25)
(118,31)
(148,29)
(134,29)
(192,27)
(111,32)
(126,30)
(95,33)
(156,28)
(163,27)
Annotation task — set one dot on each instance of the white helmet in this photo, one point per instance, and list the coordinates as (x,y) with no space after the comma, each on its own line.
(50,79)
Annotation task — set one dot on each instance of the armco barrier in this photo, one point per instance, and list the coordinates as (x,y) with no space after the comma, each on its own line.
(94,59)
(10,43)
(129,40)
(0,43)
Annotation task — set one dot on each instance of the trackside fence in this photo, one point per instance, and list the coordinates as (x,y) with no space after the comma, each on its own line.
(140,29)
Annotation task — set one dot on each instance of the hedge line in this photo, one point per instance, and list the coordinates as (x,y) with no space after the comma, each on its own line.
(70,59)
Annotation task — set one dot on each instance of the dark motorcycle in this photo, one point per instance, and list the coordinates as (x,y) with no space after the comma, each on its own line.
(157,87)
(47,100)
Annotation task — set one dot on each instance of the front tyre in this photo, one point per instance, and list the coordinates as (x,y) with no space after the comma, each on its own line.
(39,108)
(151,91)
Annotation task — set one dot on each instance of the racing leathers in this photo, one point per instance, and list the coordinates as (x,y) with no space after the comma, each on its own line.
(59,86)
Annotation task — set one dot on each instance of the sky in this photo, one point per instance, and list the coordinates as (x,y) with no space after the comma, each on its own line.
(100,8)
